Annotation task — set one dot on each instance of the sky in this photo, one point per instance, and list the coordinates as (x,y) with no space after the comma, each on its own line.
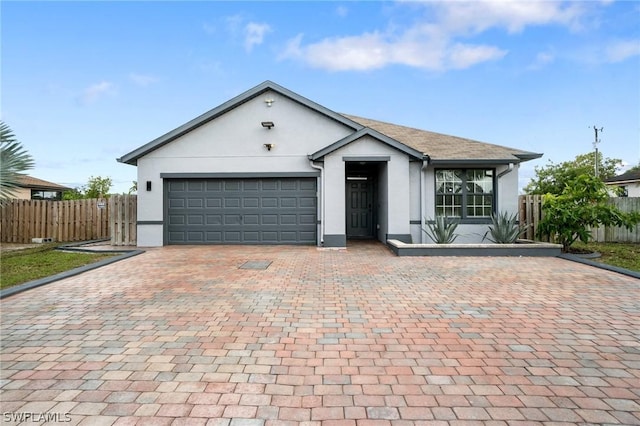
(83,83)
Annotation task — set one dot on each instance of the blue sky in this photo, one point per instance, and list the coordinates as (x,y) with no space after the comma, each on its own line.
(86,82)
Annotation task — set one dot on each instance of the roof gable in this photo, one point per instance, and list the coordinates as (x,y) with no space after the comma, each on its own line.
(374,134)
(436,147)
(133,156)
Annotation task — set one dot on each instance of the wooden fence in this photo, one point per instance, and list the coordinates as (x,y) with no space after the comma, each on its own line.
(530,213)
(123,220)
(69,221)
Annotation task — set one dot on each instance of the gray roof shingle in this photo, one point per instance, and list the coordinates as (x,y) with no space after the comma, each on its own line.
(446,148)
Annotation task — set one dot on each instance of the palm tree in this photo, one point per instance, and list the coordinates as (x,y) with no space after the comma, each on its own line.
(14,160)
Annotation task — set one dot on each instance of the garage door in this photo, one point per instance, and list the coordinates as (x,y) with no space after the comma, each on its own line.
(241,211)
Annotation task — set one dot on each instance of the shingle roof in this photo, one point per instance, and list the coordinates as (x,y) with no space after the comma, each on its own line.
(26,181)
(446,148)
(438,148)
(628,176)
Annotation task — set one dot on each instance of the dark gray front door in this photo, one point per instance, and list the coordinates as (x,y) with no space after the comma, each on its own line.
(359,209)
(241,211)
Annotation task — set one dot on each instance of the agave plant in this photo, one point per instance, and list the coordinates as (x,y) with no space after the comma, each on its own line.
(14,160)
(441,230)
(504,229)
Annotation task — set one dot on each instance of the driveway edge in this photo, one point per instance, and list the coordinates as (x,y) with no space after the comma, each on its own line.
(600,265)
(72,272)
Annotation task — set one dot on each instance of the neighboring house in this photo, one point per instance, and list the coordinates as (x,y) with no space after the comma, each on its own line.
(31,188)
(272,167)
(628,181)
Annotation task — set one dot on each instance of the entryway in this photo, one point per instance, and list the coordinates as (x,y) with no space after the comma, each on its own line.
(361,200)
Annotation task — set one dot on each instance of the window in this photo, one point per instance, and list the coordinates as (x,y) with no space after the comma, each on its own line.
(624,191)
(46,195)
(464,193)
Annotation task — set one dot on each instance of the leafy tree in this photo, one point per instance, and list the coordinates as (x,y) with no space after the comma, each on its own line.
(553,178)
(97,187)
(635,168)
(134,187)
(14,161)
(581,205)
(73,194)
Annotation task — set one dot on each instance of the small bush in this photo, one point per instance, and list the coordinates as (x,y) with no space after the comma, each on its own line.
(504,229)
(441,230)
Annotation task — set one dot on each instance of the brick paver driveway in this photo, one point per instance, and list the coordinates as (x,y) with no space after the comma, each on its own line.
(183,335)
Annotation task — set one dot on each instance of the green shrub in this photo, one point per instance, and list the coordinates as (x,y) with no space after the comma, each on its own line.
(441,230)
(504,229)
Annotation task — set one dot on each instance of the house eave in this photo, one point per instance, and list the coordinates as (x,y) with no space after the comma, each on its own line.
(623,182)
(470,162)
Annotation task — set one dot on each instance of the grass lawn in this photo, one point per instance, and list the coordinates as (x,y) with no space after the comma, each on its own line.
(623,255)
(21,266)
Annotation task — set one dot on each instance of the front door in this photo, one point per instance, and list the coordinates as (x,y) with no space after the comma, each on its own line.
(359,208)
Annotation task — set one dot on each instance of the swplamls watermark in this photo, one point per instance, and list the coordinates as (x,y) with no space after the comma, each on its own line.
(25,416)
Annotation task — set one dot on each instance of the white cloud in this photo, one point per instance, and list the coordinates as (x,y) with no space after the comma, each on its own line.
(143,79)
(461,56)
(342,11)
(94,92)
(542,59)
(420,47)
(440,41)
(513,15)
(621,50)
(254,34)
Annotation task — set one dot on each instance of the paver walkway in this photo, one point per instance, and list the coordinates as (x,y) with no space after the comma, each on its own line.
(183,335)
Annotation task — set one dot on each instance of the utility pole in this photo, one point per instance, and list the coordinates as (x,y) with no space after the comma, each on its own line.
(595,146)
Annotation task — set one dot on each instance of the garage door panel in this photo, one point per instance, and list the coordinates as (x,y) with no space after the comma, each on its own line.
(308,185)
(241,211)
(177,220)
(269,219)
(197,203)
(177,185)
(288,202)
(251,202)
(176,203)
(195,186)
(214,219)
(232,219)
(213,185)
(288,219)
(251,219)
(232,236)
(309,202)
(231,203)
(214,236)
(269,202)
(307,219)
(195,220)
(231,185)
(214,202)
(289,185)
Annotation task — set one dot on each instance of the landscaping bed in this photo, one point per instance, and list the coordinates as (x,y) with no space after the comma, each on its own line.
(520,248)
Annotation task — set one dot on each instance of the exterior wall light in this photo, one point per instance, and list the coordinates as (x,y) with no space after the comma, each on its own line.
(269,146)
(268,124)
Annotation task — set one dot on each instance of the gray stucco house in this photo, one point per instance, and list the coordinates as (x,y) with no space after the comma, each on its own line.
(272,167)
